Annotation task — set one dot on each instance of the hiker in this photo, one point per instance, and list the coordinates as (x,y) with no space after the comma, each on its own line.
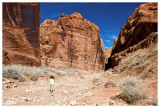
(51,83)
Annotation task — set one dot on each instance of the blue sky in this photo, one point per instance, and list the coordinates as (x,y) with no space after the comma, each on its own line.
(109,17)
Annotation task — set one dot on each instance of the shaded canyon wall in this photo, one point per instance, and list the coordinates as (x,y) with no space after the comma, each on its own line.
(134,33)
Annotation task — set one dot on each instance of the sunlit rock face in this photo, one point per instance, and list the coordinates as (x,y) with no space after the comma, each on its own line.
(71,41)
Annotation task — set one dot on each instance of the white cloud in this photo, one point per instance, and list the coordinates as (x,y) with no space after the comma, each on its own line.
(114,36)
(107,41)
(106,47)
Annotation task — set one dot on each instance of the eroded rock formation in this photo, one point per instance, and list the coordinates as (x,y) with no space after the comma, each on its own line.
(138,27)
(71,41)
(21,23)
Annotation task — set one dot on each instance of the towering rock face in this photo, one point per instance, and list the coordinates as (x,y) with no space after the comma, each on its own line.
(138,27)
(21,23)
(71,41)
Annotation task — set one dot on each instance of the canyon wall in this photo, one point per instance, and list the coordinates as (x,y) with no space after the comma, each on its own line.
(21,23)
(138,27)
(71,41)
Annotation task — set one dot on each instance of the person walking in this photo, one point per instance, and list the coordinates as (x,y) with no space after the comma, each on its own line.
(52,79)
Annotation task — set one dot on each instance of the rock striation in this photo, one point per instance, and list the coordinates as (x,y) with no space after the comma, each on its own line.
(137,28)
(71,41)
(21,23)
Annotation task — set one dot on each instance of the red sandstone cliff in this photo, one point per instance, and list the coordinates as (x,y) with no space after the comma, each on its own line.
(21,23)
(138,27)
(71,41)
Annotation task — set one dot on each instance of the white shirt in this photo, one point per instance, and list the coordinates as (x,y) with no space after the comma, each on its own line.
(51,81)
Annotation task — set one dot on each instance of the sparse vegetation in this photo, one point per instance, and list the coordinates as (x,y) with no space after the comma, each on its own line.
(12,71)
(16,71)
(59,71)
(95,81)
(133,61)
(146,75)
(132,90)
(140,62)
(144,64)
(110,84)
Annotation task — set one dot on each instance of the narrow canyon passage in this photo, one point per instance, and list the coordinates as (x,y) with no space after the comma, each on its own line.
(71,49)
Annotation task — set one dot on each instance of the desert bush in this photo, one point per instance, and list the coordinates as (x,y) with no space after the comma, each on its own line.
(60,71)
(146,75)
(132,60)
(144,64)
(12,71)
(64,71)
(132,89)
(152,54)
(16,71)
(140,61)
(110,84)
(95,81)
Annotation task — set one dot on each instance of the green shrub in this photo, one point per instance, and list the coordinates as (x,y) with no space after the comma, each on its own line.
(132,89)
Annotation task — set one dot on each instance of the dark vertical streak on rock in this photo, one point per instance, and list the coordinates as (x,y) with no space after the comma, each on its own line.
(96,55)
